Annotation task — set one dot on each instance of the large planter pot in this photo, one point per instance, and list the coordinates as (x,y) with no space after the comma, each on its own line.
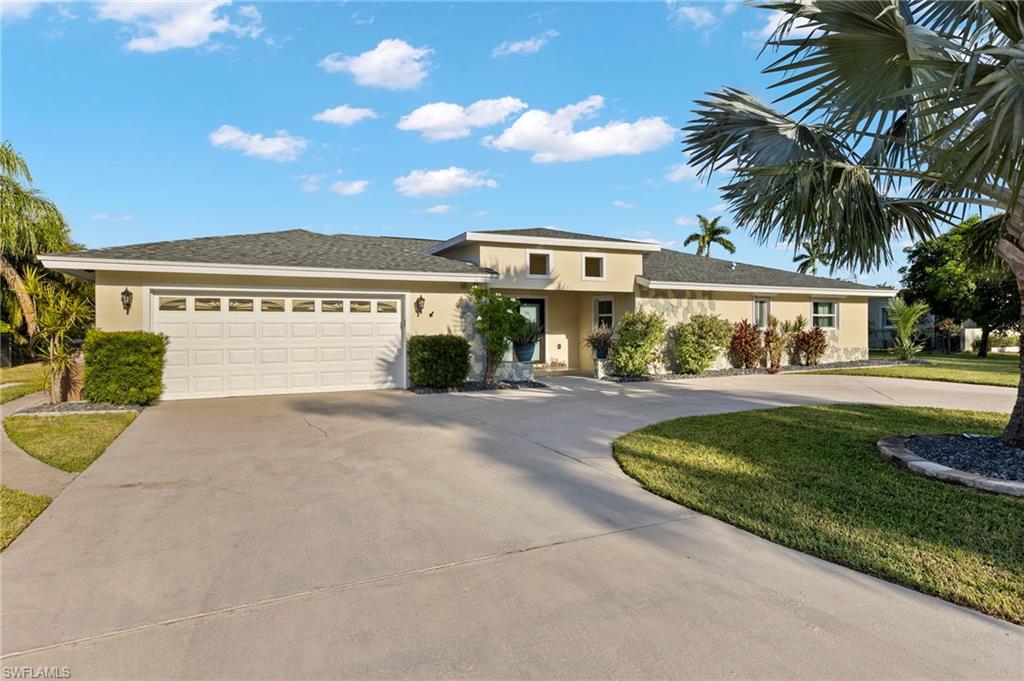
(601,353)
(524,353)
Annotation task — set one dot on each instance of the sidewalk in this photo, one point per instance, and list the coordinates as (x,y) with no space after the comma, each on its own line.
(21,471)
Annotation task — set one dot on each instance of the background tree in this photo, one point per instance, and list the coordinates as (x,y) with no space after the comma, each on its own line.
(30,224)
(940,273)
(901,114)
(710,232)
(809,258)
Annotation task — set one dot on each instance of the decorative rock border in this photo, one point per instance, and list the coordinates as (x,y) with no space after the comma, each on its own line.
(894,448)
(80,407)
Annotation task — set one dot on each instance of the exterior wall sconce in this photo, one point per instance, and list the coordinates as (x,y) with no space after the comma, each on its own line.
(418,305)
(126,300)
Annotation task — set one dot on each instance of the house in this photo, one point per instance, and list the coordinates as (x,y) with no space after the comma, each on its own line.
(298,311)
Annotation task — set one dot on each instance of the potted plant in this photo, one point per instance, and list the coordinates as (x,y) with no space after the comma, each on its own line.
(599,339)
(525,340)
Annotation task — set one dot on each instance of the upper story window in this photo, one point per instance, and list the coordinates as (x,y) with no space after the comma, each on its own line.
(539,265)
(824,314)
(593,266)
(762,308)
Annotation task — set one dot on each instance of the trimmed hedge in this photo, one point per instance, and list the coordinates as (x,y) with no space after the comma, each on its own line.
(640,332)
(440,361)
(124,367)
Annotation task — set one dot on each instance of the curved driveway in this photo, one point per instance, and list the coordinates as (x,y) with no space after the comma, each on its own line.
(476,535)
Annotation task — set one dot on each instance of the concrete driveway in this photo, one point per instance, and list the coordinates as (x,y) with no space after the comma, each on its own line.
(384,534)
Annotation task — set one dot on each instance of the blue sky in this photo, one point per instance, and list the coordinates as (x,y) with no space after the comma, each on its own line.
(150,121)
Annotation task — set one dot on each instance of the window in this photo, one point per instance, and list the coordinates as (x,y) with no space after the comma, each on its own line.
(207,305)
(539,265)
(387,306)
(332,306)
(823,314)
(762,308)
(883,314)
(272,305)
(169,304)
(359,306)
(604,312)
(593,267)
(240,305)
(303,306)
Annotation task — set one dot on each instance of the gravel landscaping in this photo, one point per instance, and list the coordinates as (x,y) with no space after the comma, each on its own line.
(980,454)
(479,386)
(713,373)
(78,408)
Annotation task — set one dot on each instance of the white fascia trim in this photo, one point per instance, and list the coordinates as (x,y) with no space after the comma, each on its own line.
(111,264)
(543,241)
(764,290)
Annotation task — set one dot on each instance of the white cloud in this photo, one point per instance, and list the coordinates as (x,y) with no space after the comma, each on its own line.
(442,182)
(440,209)
(160,26)
(344,115)
(730,6)
(694,15)
(623,204)
(349,187)
(528,46)
(12,11)
(801,27)
(680,172)
(394,64)
(552,136)
(280,147)
(311,183)
(361,18)
(479,214)
(719,208)
(107,217)
(686,222)
(446,121)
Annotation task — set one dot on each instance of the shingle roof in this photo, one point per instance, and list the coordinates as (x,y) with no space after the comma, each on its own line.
(673,266)
(293,248)
(548,233)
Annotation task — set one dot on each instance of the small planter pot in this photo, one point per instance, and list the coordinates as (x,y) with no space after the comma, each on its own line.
(601,353)
(524,353)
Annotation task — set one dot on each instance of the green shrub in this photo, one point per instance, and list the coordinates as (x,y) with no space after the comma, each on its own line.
(810,345)
(746,345)
(124,367)
(699,340)
(498,321)
(440,361)
(640,333)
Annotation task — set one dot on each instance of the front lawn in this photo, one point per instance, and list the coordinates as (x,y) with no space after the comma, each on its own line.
(809,478)
(27,379)
(17,510)
(996,369)
(69,442)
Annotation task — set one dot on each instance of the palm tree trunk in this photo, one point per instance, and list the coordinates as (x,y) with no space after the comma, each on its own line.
(17,286)
(983,344)
(1013,255)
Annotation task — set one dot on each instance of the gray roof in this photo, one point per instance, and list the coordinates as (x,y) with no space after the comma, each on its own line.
(673,266)
(547,233)
(293,248)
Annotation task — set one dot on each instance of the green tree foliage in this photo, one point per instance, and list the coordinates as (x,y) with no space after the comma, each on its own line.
(709,233)
(498,321)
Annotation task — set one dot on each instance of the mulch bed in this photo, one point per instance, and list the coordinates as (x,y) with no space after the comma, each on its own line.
(980,454)
(479,386)
(76,408)
(715,373)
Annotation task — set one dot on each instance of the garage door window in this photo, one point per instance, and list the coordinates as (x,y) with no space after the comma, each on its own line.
(332,305)
(359,306)
(387,306)
(272,305)
(240,304)
(207,305)
(172,304)
(303,306)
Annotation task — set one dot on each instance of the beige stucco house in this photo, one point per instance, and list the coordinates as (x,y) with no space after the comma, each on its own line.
(298,311)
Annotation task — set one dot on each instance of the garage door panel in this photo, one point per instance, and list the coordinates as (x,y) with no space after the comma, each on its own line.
(257,349)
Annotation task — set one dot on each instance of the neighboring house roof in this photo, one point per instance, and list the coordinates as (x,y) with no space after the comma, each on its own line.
(544,236)
(675,270)
(548,233)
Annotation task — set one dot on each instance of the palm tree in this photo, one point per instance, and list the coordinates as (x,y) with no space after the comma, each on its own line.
(30,224)
(901,114)
(905,318)
(808,260)
(710,232)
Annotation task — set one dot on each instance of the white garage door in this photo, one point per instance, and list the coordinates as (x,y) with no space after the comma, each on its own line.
(268,343)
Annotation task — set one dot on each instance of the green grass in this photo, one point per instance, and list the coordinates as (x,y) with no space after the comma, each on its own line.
(30,378)
(17,510)
(996,369)
(69,442)
(809,478)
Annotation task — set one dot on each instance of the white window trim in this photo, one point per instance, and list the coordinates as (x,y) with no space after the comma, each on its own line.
(599,299)
(768,314)
(583,266)
(549,254)
(835,313)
